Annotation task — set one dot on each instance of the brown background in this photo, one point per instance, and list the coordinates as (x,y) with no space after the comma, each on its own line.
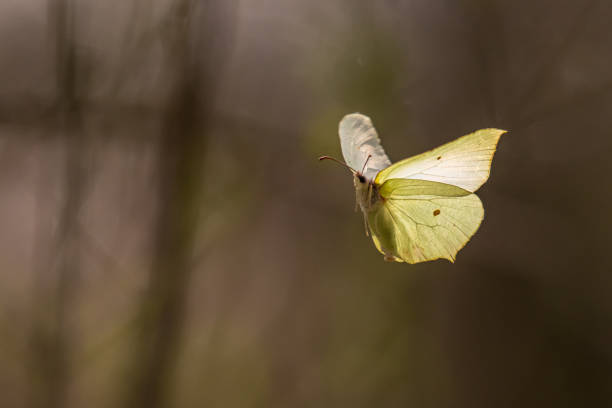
(169,239)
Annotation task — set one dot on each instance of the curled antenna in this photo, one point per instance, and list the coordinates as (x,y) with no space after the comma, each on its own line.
(366,163)
(337,161)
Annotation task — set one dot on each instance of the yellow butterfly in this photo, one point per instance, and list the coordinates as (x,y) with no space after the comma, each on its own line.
(424,207)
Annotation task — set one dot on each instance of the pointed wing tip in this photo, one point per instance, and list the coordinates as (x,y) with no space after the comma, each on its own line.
(499,132)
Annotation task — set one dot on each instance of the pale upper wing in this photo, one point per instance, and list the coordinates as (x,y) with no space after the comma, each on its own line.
(421,220)
(464,163)
(359,140)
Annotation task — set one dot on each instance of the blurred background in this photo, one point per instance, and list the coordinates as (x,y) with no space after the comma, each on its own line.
(168,238)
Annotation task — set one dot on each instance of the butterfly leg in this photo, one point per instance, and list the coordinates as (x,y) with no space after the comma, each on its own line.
(365,224)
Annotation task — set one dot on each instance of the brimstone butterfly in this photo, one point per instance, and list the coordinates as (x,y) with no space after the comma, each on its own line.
(424,207)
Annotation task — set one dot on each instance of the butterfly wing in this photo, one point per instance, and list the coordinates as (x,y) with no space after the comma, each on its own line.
(464,163)
(358,140)
(420,220)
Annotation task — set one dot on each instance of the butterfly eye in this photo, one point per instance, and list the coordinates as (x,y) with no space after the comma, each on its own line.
(361,178)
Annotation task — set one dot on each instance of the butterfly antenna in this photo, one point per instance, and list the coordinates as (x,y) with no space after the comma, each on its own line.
(337,161)
(366,163)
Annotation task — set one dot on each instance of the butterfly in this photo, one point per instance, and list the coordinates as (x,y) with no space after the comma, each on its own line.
(421,208)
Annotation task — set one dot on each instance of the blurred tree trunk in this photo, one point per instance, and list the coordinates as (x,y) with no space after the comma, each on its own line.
(56,279)
(181,156)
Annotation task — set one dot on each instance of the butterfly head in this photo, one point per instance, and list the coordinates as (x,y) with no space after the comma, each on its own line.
(366,190)
(360,175)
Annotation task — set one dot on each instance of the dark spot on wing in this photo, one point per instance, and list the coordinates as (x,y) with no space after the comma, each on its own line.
(436,212)
(439,157)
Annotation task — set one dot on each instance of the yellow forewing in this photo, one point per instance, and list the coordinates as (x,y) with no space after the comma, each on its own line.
(420,220)
(464,162)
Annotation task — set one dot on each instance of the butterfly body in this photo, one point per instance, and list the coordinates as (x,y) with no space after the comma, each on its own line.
(422,208)
(366,192)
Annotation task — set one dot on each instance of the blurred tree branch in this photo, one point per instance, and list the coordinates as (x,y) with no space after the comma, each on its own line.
(56,281)
(181,158)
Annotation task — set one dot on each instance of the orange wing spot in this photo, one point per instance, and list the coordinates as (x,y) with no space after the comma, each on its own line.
(436,212)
